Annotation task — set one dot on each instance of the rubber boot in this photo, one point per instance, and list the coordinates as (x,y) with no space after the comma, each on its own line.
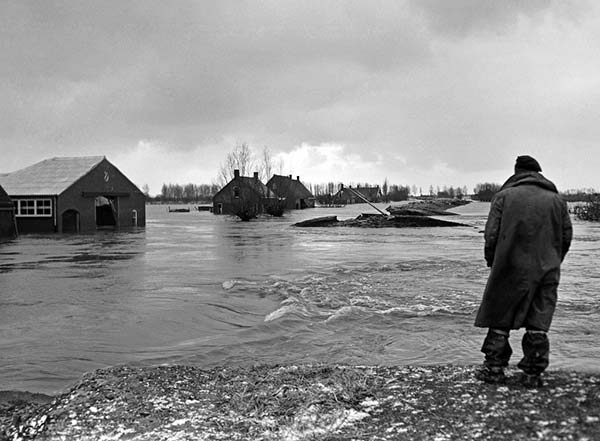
(497,352)
(536,357)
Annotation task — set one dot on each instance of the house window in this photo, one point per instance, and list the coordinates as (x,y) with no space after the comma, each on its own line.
(236,192)
(33,207)
(43,207)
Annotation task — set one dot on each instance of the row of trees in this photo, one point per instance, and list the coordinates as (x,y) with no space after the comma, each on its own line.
(203,193)
(185,194)
(486,191)
(242,158)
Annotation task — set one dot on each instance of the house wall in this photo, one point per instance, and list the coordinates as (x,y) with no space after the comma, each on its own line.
(36,224)
(295,198)
(232,204)
(103,180)
(7,224)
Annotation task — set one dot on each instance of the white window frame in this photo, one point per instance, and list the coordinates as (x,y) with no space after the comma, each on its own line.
(38,206)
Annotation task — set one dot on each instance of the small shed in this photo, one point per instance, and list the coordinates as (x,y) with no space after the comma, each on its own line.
(245,197)
(348,195)
(74,194)
(293,192)
(8,225)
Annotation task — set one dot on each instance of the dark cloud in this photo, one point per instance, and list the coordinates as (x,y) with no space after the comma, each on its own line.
(124,70)
(410,82)
(463,17)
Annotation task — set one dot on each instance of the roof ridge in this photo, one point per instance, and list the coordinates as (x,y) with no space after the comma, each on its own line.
(49,176)
(73,157)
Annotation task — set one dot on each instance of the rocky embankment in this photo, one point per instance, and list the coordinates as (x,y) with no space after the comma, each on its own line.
(412,214)
(308,402)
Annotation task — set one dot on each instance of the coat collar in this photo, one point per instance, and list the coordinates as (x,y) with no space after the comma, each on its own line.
(529,178)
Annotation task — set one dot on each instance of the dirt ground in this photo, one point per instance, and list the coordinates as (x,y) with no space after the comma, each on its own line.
(307,402)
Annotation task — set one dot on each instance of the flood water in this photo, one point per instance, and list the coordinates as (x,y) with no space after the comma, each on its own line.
(195,288)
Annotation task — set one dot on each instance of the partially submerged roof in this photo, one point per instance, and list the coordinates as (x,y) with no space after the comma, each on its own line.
(286,185)
(370,193)
(258,186)
(251,182)
(48,177)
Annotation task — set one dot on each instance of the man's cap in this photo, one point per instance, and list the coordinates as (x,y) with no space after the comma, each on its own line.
(526,162)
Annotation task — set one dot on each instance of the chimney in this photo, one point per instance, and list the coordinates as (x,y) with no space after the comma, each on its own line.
(236,174)
(256,176)
(297,178)
(290,176)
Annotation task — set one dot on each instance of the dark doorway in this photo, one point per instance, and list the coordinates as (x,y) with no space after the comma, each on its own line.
(106,212)
(70,221)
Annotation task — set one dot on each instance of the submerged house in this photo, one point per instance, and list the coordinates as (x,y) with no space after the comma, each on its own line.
(294,194)
(245,197)
(8,225)
(348,195)
(74,194)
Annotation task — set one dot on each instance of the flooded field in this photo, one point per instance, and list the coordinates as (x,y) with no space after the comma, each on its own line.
(206,290)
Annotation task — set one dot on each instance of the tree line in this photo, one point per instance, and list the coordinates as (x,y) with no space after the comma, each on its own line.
(325,192)
(242,158)
(186,194)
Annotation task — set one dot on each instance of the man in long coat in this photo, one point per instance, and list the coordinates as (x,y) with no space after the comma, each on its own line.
(527,235)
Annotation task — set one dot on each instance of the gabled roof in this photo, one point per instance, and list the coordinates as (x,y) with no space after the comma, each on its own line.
(284,185)
(48,177)
(255,184)
(370,193)
(258,186)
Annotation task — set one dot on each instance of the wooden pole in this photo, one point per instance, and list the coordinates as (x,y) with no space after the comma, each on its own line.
(365,199)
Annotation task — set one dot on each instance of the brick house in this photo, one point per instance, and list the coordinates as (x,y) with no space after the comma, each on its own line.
(244,196)
(74,194)
(295,195)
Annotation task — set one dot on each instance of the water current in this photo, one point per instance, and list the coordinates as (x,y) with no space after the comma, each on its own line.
(195,288)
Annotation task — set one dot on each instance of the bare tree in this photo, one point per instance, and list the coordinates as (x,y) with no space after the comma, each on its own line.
(384,189)
(280,166)
(240,158)
(266,165)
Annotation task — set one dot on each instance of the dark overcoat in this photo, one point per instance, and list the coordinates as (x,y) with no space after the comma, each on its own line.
(527,235)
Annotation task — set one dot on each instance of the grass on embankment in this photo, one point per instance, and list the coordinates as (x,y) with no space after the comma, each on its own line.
(312,402)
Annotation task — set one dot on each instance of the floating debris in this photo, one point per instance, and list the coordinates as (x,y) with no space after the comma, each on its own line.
(411,215)
(379,221)
(432,207)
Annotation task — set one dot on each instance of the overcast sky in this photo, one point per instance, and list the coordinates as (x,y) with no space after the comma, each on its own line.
(421,92)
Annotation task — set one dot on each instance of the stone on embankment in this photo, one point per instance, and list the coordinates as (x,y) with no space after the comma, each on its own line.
(320,401)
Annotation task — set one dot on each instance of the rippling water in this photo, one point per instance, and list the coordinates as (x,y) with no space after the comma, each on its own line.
(207,290)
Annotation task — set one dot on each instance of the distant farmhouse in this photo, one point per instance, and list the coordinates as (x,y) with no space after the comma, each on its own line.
(8,225)
(77,194)
(245,197)
(294,194)
(348,195)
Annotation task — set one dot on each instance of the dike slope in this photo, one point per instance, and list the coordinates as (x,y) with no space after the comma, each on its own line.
(308,402)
